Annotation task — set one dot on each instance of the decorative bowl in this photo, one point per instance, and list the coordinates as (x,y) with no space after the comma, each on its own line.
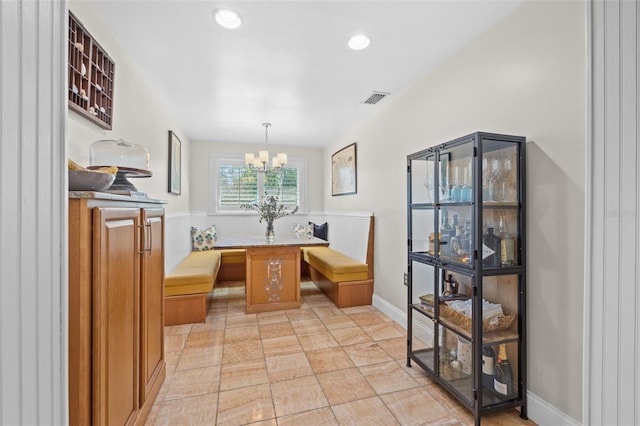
(87,180)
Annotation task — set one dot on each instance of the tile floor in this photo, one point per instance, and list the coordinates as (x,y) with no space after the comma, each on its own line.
(317,365)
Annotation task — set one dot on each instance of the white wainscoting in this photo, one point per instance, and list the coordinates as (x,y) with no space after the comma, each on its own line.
(177,237)
(611,384)
(33,213)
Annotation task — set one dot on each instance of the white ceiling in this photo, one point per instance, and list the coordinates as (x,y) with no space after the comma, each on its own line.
(289,63)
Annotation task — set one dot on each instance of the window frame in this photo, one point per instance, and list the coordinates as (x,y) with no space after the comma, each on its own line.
(221,159)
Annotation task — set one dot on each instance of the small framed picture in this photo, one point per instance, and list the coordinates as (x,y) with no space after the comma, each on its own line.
(344,171)
(175,164)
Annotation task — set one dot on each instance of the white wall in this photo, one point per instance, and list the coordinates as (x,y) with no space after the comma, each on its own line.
(139,117)
(525,76)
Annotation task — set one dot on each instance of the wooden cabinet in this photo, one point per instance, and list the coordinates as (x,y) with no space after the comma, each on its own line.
(116,275)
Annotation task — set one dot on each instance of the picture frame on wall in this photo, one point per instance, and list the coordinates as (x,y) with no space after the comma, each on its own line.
(175,164)
(344,171)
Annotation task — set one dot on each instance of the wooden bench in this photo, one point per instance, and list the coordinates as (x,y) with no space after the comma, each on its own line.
(232,265)
(188,288)
(346,281)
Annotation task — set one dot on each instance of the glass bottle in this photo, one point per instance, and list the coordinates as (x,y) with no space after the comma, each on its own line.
(491,249)
(488,360)
(502,374)
(457,243)
(446,232)
(507,244)
(456,191)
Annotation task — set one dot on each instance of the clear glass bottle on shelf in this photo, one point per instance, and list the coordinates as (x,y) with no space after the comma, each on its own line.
(507,244)
(446,232)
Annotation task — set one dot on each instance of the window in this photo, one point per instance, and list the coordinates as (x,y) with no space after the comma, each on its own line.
(234,184)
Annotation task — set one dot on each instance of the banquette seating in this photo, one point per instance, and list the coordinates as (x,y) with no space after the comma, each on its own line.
(346,280)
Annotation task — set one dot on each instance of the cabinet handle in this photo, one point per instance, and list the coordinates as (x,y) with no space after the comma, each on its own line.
(150,234)
(143,240)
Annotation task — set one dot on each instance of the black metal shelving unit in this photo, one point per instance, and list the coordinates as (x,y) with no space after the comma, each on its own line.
(474,183)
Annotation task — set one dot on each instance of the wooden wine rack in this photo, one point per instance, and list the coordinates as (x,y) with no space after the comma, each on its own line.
(91,74)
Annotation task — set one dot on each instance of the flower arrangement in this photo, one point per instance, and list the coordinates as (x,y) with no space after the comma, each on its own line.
(270,209)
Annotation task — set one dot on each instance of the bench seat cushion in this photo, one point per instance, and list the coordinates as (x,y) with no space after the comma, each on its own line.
(334,265)
(195,274)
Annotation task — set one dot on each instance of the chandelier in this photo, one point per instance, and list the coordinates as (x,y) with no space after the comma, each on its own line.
(261,163)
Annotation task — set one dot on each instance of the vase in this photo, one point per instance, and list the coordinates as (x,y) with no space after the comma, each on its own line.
(269,233)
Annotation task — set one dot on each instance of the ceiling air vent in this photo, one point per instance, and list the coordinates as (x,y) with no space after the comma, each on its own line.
(375,98)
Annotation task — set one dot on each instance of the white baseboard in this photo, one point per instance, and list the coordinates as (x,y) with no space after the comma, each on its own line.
(538,410)
(543,413)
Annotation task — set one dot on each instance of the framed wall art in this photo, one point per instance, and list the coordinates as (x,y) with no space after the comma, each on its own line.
(175,164)
(344,172)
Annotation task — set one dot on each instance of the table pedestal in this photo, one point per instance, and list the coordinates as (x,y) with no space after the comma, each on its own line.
(273,278)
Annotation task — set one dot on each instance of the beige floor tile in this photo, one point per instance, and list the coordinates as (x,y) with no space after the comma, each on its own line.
(301,314)
(243,374)
(245,405)
(359,309)
(415,371)
(242,321)
(242,351)
(278,329)
(382,331)
(338,321)
(175,342)
(198,381)
(369,411)
(195,410)
(271,317)
(211,324)
(329,359)
(297,395)
(240,334)
(270,422)
(224,371)
(369,318)
(350,336)
(366,353)
(319,417)
(206,338)
(235,310)
(290,366)
(416,407)
(200,357)
(281,345)
(326,311)
(171,360)
(396,348)
(387,377)
(316,300)
(308,326)
(344,386)
(177,329)
(317,340)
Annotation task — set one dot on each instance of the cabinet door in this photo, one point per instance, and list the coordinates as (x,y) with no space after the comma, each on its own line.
(116,281)
(152,302)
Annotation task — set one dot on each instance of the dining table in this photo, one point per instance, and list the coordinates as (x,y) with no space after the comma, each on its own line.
(272,269)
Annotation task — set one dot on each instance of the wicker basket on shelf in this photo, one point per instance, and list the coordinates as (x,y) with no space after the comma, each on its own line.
(496,323)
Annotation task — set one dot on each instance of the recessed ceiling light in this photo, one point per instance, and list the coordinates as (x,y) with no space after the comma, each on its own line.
(359,42)
(227,18)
